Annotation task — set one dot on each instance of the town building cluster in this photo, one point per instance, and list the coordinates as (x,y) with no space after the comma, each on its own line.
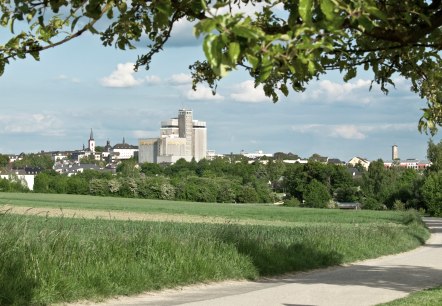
(179,138)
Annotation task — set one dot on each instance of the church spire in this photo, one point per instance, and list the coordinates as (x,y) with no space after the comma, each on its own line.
(91,137)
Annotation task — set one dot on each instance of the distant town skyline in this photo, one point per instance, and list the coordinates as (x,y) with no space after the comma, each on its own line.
(52,104)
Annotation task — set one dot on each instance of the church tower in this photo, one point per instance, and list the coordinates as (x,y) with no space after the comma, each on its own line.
(91,142)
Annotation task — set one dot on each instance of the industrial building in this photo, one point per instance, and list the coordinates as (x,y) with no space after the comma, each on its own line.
(180,137)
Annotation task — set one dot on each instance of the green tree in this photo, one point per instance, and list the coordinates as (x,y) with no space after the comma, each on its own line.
(375,181)
(150,169)
(284,44)
(128,168)
(432,193)
(4,160)
(42,161)
(316,195)
(434,155)
(295,180)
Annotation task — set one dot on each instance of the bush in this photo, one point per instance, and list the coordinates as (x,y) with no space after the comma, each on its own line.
(432,193)
(398,205)
(316,195)
(292,202)
(247,194)
(371,203)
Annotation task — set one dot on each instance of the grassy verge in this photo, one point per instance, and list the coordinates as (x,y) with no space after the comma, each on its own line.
(430,297)
(227,211)
(47,260)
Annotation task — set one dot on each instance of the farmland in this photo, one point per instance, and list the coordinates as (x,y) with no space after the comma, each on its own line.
(46,260)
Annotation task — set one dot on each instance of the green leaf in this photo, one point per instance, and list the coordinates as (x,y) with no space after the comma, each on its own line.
(305,10)
(74,23)
(4,20)
(2,66)
(283,88)
(351,73)
(377,13)
(93,30)
(245,32)
(234,51)
(122,7)
(311,67)
(204,26)
(327,7)
(110,13)
(35,55)
(208,50)
(266,68)
(11,25)
(253,60)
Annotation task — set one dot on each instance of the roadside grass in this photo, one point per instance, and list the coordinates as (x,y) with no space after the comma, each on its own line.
(429,297)
(263,212)
(48,260)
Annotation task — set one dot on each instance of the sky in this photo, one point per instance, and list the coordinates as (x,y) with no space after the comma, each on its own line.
(53,104)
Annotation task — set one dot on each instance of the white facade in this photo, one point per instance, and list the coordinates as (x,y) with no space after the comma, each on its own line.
(394,152)
(124,153)
(199,135)
(358,160)
(91,143)
(25,179)
(257,154)
(180,137)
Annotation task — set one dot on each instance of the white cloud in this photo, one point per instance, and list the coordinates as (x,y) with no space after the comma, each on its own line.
(63,77)
(123,76)
(337,131)
(351,131)
(347,132)
(180,79)
(341,91)
(202,93)
(246,92)
(30,123)
(153,80)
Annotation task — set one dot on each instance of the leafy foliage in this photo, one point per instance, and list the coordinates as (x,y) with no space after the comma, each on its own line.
(432,193)
(283,45)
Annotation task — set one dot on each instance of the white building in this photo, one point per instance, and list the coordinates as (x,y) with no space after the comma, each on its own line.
(180,137)
(124,151)
(359,160)
(25,179)
(257,154)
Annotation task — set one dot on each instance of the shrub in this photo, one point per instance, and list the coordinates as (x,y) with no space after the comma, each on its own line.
(371,203)
(316,195)
(292,202)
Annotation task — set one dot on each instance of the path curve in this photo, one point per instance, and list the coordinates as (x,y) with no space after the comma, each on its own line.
(367,282)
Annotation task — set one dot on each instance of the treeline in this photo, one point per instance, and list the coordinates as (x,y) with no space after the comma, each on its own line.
(216,181)
(222,180)
(315,185)
(235,179)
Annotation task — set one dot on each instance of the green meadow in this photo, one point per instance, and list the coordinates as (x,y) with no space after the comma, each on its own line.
(47,260)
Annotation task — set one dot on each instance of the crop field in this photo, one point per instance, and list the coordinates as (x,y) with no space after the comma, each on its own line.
(224,212)
(45,260)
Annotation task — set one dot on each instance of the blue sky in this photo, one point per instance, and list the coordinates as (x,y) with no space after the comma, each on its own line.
(52,105)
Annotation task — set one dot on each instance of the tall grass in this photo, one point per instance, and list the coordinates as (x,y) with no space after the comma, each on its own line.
(46,260)
(227,211)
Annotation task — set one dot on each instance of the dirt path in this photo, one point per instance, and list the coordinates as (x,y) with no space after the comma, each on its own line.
(367,282)
(134,216)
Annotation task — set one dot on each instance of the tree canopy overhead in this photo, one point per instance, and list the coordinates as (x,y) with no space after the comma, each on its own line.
(284,44)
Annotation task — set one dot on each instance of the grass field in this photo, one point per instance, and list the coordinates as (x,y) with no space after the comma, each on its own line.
(430,297)
(46,260)
(230,212)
